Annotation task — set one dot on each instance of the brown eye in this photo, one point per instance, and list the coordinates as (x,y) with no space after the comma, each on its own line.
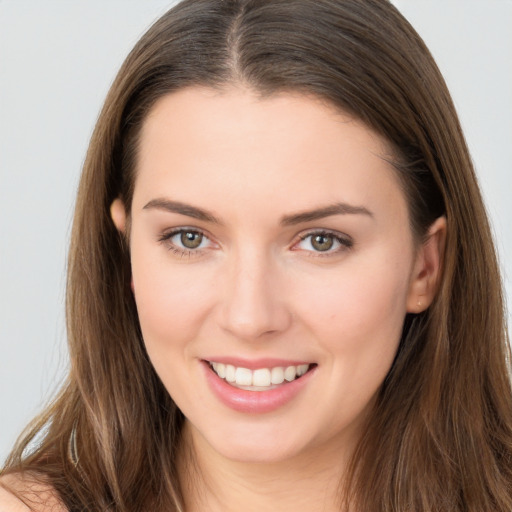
(191,239)
(322,242)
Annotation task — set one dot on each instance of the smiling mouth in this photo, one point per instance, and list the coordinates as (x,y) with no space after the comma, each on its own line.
(262,379)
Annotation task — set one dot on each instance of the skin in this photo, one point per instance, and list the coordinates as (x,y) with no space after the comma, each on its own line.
(257,288)
(21,493)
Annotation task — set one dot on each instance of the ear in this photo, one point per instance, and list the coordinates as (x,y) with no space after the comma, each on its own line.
(427,268)
(118,214)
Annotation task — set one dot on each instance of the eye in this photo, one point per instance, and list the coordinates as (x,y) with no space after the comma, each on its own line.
(185,241)
(190,239)
(323,242)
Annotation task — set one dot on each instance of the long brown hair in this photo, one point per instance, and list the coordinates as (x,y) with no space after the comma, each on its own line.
(440,436)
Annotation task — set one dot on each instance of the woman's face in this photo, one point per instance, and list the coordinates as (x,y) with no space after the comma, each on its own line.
(270,245)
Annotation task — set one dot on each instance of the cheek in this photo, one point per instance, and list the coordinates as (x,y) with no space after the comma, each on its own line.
(171,302)
(356,320)
(360,307)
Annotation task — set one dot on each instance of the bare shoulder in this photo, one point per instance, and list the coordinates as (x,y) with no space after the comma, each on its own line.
(22,493)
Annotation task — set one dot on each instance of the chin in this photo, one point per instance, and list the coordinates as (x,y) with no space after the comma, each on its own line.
(251,444)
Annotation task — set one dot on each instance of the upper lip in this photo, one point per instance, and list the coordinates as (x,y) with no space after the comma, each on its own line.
(255,364)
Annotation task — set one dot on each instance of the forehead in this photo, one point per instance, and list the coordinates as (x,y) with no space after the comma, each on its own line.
(237,112)
(197,142)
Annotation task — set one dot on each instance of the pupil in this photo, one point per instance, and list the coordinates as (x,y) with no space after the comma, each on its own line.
(191,240)
(322,242)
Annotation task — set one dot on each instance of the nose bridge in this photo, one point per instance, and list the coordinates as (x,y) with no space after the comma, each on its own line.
(253,303)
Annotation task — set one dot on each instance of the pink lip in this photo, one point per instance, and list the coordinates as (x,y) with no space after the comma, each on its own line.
(255,364)
(255,402)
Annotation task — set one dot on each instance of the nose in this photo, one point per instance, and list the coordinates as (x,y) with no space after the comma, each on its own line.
(254,304)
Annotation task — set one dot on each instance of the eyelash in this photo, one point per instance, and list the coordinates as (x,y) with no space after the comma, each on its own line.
(344,242)
(166,238)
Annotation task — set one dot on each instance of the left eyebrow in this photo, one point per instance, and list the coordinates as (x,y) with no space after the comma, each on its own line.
(326,211)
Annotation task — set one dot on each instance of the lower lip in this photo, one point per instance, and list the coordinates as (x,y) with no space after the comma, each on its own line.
(255,402)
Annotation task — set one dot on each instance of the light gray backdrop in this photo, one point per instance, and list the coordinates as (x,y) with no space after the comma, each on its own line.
(57,59)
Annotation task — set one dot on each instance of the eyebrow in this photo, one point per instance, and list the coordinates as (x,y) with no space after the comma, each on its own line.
(327,211)
(182,209)
(287,220)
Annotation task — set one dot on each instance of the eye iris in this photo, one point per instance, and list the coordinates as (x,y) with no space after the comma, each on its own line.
(191,240)
(322,242)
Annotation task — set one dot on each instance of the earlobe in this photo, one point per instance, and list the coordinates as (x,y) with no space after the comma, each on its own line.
(118,214)
(428,268)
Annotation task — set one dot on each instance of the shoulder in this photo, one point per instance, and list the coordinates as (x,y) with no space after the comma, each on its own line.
(21,493)
(9,502)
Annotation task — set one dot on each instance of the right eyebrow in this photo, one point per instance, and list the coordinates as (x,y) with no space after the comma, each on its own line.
(182,209)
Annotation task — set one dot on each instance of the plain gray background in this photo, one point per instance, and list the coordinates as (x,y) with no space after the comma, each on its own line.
(57,59)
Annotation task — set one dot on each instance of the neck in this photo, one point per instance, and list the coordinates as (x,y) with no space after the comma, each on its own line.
(213,483)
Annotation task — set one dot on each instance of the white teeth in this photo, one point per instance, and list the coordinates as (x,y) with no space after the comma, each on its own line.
(230,373)
(243,377)
(290,373)
(260,378)
(277,375)
(221,370)
(301,369)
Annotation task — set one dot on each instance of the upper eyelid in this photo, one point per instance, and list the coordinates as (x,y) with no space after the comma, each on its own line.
(168,233)
(336,234)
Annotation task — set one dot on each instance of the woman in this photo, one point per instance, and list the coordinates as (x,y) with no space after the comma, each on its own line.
(282,289)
